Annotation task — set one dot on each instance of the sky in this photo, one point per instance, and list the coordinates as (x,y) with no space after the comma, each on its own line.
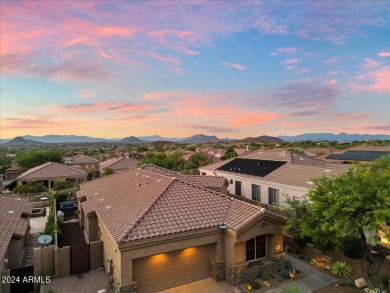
(178,68)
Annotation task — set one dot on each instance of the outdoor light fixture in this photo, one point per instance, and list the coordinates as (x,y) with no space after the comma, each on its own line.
(222,226)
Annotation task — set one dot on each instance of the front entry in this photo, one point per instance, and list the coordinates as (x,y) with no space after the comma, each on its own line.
(166,270)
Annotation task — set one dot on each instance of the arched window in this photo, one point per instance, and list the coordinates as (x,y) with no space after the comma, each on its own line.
(256,248)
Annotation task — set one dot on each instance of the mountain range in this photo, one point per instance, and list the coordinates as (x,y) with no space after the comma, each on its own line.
(196,139)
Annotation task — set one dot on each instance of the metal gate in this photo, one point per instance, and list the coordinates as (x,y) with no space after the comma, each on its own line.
(24,283)
(79,259)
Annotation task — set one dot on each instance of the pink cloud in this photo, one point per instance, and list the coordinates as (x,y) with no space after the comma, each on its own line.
(233,65)
(351,116)
(331,82)
(286,50)
(290,61)
(294,124)
(161,58)
(86,94)
(103,106)
(178,70)
(378,80)
(384,54)
(253,118)
(369,62)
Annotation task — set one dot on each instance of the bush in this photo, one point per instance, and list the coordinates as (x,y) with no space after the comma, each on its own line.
(264,276)
(302,241)
(285,273)
(30,187)
(254,285)
(287,264)
(340,269)
(385,280)
(351,247)
(309,258)
(294,288)
(61,184)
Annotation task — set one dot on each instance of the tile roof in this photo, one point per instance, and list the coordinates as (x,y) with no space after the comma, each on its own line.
(131,209)
(198,180)
(84,160)
(52,170)
(12,223)
(119,164)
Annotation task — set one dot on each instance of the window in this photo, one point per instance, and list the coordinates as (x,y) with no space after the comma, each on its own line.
(256,193)
(231,181)
(238,188)
(273,196)
(256,248)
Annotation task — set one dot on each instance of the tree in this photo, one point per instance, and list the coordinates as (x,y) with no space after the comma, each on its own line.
(30,187)
(349,204)
(107,171)
(62,184)
(229,153)
(142,148)
(32,159)
(198,160)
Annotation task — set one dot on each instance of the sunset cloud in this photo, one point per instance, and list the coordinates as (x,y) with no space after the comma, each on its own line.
(285,50)
(384,54)
(233,65)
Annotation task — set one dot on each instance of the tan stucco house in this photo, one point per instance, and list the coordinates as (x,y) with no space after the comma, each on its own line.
(160,231)
(118,164)
(14,233)
(88,164)
(49,172)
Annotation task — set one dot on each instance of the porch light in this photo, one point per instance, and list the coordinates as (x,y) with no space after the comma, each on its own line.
(222,226)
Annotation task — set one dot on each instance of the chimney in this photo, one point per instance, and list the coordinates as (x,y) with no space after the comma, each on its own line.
(127,155)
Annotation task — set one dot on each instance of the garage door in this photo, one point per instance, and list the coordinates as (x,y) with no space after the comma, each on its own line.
(162,271)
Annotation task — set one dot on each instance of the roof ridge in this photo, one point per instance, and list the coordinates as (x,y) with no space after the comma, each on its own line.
(36,168)
(107,176)
(74,169)
(127,232)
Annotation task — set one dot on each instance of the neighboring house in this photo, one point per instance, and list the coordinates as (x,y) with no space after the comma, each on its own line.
(12,173)
(160,231)
(118,164)
(49,172)
(216,183)
(14,231)
(268,176)
(90,165)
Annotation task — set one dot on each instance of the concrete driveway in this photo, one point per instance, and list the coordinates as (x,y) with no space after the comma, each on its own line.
(202,286)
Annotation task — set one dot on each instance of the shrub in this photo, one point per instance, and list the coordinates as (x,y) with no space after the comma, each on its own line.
(264,276)
(341,269)
(302,241)
(352,247)
(294,288)
(30,187)
(254,285)
(309,258)
(287,264)
(385,280)
(345,283)
(61,184)
(285,273)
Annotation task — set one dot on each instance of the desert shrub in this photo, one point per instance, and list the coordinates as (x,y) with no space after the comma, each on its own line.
(254,285)
(294,288)
(287,264)
(352,247)
(345,283)
(385,279)
(309,258)
(30,187)
(302,241)
(340,269)
(264,276)
(285,273)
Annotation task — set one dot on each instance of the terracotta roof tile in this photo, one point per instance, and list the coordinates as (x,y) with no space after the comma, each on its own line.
(52,170)
(119,164)
(133,210)
(11,220)
(84,160)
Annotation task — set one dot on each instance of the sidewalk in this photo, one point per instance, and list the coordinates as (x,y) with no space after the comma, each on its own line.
(315,280)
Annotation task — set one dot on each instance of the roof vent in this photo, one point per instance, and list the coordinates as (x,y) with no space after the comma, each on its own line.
(108,207)
(310,182)
(18,198)
(10,212)
(138,184)
(96,193)
(101,199)
(158,180)
(301,158)
(327,170)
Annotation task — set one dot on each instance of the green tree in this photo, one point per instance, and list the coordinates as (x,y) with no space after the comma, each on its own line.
(229,153)
(30,187)
(348,204)
(4,160)
(141,148)
(198,160)
(107,171)
(32,159)
(172,161)
(62,184)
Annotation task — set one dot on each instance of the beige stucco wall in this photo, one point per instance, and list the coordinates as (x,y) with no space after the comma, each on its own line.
(91,228)
(166,244)
(15,252)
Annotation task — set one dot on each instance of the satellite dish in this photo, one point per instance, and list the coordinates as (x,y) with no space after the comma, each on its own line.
(45,239)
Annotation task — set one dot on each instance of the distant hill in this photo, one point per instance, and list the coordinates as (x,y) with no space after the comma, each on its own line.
(160,138)
(53,138)
(201,138)
(334,137)
(133,140)
(21,141)
(262,138)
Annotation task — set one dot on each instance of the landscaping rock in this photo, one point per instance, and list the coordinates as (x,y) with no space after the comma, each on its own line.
(327,268)
(266,284)
(313,262)
(360,283)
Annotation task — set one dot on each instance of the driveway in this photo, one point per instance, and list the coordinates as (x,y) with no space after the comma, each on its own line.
(202,286)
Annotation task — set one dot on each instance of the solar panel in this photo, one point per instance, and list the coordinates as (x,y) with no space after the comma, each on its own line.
(251,167)
(358,155)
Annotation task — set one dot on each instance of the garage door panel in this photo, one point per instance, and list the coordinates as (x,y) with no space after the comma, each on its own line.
(163,271)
